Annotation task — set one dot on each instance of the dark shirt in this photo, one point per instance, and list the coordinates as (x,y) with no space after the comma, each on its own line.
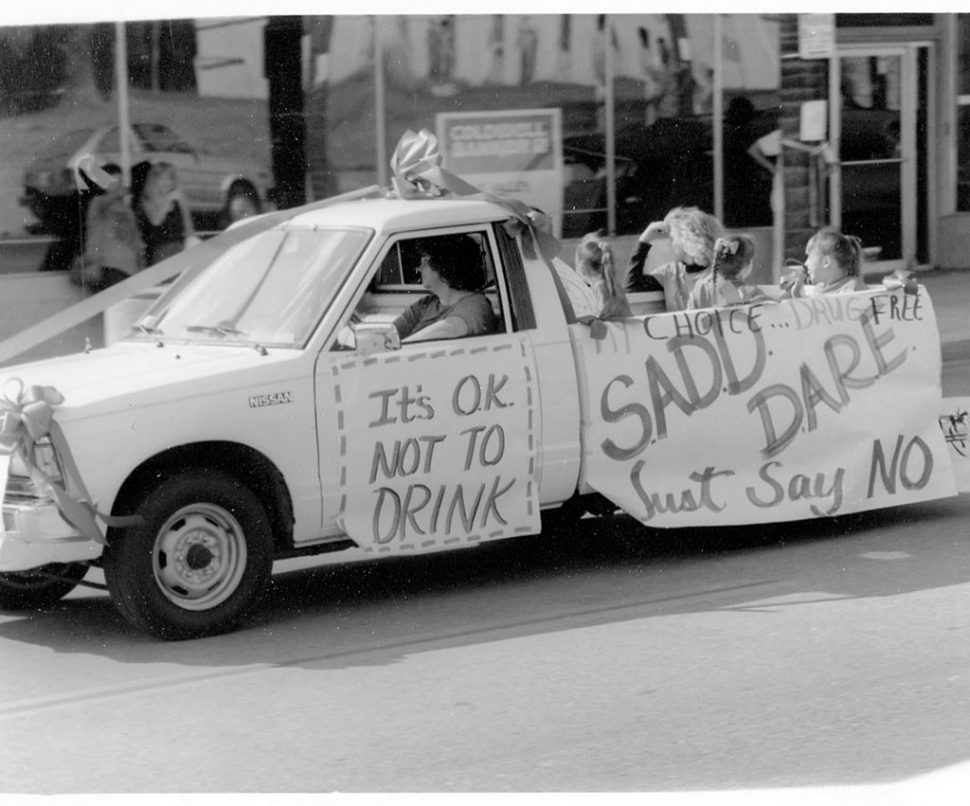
(475,310)
(161,240)
(638,281)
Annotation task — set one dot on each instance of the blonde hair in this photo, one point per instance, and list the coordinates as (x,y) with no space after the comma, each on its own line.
(845,249)
(695,232)
(595,259)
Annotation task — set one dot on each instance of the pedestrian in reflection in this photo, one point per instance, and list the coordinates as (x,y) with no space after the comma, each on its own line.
(113,249)
(749,164)
(162,212)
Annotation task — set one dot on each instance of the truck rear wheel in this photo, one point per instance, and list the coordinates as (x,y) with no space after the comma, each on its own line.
(40,587)
(199,561)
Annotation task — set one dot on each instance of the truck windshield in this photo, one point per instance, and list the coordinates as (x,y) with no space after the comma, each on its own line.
(270,289)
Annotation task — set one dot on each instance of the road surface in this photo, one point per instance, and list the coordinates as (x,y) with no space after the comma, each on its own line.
(830,653)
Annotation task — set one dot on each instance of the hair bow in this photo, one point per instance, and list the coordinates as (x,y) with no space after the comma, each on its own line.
(26,416)
(417,169)
(723,245)
(418,173)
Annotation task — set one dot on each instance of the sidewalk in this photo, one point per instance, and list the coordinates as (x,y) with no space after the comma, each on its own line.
(950,291)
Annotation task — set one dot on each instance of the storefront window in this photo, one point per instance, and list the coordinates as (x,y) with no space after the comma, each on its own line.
(196,99)
(751,80)
(963,114)
(662,100)
(208,81)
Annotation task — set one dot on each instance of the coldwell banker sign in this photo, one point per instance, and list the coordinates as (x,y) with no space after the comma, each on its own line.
(509,153)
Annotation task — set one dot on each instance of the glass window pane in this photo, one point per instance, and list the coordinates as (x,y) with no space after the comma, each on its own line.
(111,142)
(663,97)
(963,54)
(203,79)
(870,150)
(963,159)
(963,113)
(752,78)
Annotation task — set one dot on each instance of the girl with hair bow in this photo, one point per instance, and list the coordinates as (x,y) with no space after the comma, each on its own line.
(725,283)
(596,265)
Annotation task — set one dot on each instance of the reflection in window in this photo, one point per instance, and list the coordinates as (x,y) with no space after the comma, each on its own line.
(111,142)
(870,142)
(749,162)
(963,114)
(662,89)
(272,288)
(157,137)
(963,158)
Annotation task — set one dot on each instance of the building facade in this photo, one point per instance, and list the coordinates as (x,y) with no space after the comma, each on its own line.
(872,113)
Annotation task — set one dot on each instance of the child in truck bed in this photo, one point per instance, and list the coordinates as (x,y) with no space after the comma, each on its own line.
(597,267)
(595,288)
(692,235)
(725,284)
(832,265)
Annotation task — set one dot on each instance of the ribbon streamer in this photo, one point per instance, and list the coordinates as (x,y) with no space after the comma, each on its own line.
(416,163)
(901,278)
(418,173)
(597,327)
(25,418)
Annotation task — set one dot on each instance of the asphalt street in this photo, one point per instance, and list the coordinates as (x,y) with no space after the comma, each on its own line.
(802,659)
(824,657)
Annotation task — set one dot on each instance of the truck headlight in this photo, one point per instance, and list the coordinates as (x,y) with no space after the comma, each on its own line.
(21,478)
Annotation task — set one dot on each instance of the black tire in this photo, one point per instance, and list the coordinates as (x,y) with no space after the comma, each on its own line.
(198,563)
(37,589)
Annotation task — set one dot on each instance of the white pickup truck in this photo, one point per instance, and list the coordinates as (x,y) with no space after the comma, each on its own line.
(260,411)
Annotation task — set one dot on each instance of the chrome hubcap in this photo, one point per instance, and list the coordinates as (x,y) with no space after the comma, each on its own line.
(199,557)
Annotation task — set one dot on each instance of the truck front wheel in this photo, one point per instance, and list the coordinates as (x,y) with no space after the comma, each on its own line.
(199,561)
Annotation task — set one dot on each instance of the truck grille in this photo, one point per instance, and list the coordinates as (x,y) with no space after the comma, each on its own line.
(21,489)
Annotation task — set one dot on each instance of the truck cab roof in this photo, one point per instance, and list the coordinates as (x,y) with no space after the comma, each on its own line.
(399,215)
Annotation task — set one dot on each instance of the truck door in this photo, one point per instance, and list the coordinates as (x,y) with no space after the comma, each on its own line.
(435,444)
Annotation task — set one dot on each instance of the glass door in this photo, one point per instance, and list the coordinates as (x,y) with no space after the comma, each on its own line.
(876,95)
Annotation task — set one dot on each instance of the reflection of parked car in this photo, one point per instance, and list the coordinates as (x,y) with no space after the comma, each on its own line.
(657,167)
(209,182)
(584,193)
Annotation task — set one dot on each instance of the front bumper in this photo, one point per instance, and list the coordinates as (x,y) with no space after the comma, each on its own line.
(34,534)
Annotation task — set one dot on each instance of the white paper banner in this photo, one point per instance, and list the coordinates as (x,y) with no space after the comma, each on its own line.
(780,411)
(438,447)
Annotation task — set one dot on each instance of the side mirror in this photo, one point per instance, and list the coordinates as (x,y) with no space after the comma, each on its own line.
(376,337)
